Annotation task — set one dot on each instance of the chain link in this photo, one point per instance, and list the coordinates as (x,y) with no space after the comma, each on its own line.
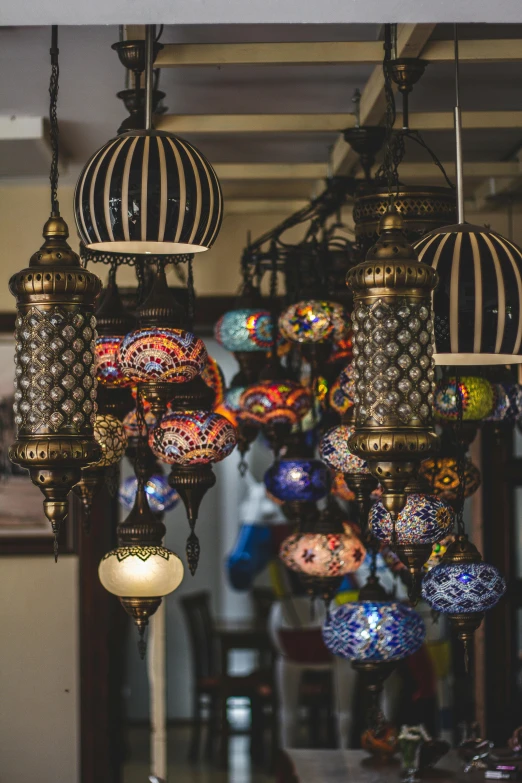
(53,120)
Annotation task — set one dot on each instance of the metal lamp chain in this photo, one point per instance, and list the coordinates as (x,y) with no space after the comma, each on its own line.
(460,458)
(53,119)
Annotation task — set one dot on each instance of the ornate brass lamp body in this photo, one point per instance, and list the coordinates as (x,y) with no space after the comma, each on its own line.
(55,397)
(393,354)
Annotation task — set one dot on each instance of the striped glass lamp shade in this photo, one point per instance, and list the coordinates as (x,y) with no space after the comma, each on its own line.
(478,301)
(148,192)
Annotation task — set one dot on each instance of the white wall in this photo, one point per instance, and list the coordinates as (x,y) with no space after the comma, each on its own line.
(39,670)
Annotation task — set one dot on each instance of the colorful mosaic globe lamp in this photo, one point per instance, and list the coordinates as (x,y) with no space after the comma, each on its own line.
(441,474)
(276,406)
(190,442)
(298,480)
(323,554)
(477,397)
(424,520)
(335,452)
(374,633)
(247,333)
(313,321)
(507,402)
(110,435)
(463,587)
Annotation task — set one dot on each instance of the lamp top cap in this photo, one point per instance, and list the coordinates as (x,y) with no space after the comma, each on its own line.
(391,221)
(462,551)
(55,250)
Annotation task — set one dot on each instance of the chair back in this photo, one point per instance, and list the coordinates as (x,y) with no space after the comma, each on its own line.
(200,625)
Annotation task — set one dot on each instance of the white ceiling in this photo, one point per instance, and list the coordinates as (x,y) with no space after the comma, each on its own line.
(79,12)
(91,75)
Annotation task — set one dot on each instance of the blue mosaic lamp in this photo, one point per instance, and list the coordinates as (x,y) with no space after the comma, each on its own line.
(298,479)
(424,520)
(374,631)
(247,332)
(463,587)
(507,402)
(160,496)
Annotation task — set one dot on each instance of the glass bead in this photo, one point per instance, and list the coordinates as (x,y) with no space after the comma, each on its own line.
(415,373)
(392,373)
(424,386)
(423,312)
(380,361)
(56,420)
(404,312)
(78,419)
(78,320)
(392,349)
(68,356)
(404,385)
(424,338)
(415,398)
(424,362)
(414,324)
(57,344)
(68,332)
(68,407)
(77,345)
(391,324)
(424,411)
(392,398)
(404,361)
(404,410)
(68,382)
(404,337)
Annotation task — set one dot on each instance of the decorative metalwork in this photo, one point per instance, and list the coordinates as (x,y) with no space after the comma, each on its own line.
(393,355)
(55,385)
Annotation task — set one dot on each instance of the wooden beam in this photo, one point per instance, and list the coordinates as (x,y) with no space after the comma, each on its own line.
(408,171)
(411,40)
(253,123)
(263,206)
(328,53)
(326,123)
(496,185)
(270,171)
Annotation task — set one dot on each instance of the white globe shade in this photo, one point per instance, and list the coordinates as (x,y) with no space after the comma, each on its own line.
(140,571)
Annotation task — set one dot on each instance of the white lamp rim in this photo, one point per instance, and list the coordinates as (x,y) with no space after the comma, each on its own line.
(147,248)
(480,359)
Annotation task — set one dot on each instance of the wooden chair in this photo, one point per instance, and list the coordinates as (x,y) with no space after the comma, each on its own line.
(213,686)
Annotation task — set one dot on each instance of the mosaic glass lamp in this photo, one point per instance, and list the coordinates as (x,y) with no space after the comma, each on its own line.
(507,402)
(341,489)
(476,394)
(335,452)
(162,354)
(230,407)
(276,406)
(339,401)
(213,376)
(441,474)
(191,442)
(374,631)
(111,437)
(323,552)
(347,381)
(298,479)
(160,495)
(424,520)
(108,370)
(313,321)
(247,332)
(131,426)
(463,587)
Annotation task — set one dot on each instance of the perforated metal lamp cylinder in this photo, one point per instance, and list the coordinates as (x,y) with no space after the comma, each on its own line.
(393,357)
(55,396)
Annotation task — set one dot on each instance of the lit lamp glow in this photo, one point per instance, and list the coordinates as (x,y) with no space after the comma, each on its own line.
(374,631)
(323,555)
(244,330)
(213,376)
(313,321)
(335,452)
(507,402)
(441,473)
(276,406)
(298,479)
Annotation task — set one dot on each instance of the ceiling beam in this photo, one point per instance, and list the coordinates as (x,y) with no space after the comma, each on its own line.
(408,171)
(328,53)
(411,40)
(326,123)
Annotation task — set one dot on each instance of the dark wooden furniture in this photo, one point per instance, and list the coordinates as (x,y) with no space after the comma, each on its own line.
(356,766)
(213,685)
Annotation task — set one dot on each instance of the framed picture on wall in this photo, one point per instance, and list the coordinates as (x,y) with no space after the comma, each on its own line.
(24,528)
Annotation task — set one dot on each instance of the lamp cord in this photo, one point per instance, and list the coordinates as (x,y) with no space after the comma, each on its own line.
(53,120)
(459,511)
(458,134)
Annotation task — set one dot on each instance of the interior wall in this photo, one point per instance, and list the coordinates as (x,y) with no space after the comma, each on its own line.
(24,208)
(39,673)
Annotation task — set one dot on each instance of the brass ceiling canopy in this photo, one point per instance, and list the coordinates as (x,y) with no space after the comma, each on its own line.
(422,208)
(55,396)
(393,355)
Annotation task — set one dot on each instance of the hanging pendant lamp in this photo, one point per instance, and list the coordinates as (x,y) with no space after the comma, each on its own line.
(55,396)
(148,191)
(478,302)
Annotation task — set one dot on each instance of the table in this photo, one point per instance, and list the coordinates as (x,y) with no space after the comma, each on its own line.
(342,766)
